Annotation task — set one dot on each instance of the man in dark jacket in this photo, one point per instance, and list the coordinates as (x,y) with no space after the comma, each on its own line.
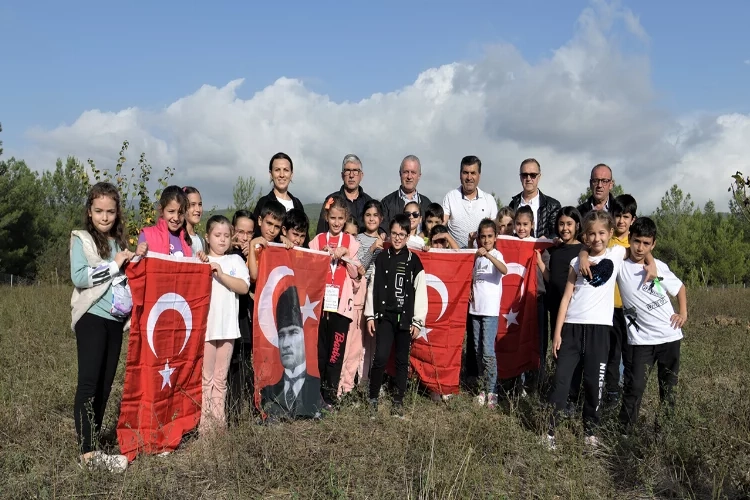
(410,172)
(601,184)
(351,191)
(545,208)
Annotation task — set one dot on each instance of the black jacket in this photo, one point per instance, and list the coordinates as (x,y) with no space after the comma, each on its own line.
(307,403)
(586,206)
(546,215)
(356,208)
(393,204)
(259,207)
(383,283)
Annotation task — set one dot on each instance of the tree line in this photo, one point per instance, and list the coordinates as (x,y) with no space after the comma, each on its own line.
(704,246)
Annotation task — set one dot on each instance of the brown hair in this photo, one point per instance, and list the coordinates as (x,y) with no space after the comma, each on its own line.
(595,216)
(117,233)
(336,201)
(175,193)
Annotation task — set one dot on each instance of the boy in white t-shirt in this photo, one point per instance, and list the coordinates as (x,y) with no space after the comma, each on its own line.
(484,308)
(654,329)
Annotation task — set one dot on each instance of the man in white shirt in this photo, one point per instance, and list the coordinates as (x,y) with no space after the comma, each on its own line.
(467,205)
(654,329)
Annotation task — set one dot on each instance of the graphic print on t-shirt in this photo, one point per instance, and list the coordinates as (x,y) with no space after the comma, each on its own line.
(601,272)
(399,284)
(631,316)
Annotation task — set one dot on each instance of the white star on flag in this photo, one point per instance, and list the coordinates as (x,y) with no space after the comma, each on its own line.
(511,318)
(166,373)
(423,334)
(308,309)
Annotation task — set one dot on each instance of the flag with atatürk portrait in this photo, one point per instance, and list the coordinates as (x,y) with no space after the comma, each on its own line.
(288,304)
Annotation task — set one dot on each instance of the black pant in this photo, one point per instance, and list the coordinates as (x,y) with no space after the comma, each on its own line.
(387,333)
(617,338)
(332,333)
(638,364)
(575,384)
(590,342)
(240,383)
(99,341)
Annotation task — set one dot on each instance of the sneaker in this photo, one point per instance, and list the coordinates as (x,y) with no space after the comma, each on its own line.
(397,410)
(481,398)
(492,401)
(524,394)
(373,409)
(447,397)
(549,442)
(591,442)
(101,461)
(613,398)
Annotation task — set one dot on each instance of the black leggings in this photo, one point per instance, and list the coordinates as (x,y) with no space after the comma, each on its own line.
(332,333)
(387,333)
(99,341)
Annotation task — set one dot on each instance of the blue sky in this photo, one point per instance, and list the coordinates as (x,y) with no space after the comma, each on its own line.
(65,57)
(60,59)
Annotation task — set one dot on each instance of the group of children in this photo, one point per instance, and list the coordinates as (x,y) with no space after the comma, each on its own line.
(376,300)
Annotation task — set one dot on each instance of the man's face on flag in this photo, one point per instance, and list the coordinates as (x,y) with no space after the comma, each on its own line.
(291,346)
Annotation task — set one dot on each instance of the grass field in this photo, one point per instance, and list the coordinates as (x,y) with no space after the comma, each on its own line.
(442,451)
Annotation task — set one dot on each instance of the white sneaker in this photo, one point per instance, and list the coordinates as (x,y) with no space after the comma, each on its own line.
(447,397)
(591,442)
(492,401)
(102,461)
(549,442)
(481,399)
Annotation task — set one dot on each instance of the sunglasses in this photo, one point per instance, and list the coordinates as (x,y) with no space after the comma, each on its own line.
(413,215)
(530,175)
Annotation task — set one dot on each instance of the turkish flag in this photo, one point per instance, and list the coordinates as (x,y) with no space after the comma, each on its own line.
(288,299)
(517,342)
(436,353)
(161,399)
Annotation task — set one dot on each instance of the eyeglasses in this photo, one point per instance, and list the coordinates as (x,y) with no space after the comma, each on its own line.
(413,215)
(351,171)
(597,182)
(529,175)
(398,236)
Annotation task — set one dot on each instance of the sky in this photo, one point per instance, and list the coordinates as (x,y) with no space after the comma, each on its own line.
(657,90)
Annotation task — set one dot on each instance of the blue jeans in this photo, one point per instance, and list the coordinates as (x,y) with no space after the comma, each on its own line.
(484,329)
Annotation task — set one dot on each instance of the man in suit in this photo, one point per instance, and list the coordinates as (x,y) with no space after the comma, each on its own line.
(297,393)
(545,208)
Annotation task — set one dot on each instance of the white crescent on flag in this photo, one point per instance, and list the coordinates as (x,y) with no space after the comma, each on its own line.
(437,284)
(164,303)
(265,304)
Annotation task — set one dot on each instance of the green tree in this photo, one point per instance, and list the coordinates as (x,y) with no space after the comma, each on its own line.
(616,191)
(23,221)
(245,195)
(497,201)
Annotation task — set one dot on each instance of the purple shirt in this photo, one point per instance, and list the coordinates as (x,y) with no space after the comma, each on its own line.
(175,245)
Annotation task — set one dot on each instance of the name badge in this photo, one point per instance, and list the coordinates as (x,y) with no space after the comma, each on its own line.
(331,299)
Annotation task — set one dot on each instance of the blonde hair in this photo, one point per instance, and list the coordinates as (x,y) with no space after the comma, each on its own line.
(505,212)
(595,216)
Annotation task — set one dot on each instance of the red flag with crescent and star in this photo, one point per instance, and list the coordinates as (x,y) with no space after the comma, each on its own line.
(289,294)
(436,353)
(517,342)
(161,399)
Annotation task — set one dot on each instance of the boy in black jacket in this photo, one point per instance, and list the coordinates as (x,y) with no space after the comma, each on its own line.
(395,310)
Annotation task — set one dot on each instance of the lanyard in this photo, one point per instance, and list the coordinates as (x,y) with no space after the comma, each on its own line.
(334,262)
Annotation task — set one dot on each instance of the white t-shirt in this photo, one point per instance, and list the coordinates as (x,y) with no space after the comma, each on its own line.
(595,305)
(288,204)
(196,244)
(487,286)
(648,310)
(225,304)
(464,215)
(534,204)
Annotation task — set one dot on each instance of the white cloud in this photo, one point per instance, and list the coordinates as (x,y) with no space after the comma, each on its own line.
(588,102)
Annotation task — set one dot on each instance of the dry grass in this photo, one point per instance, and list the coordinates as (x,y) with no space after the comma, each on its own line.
(442,451)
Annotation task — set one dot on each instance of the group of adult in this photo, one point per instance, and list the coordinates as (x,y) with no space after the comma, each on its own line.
(464,207)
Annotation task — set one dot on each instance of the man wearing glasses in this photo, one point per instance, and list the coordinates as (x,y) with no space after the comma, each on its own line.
(601,184)
(545,208)
(351,191)
(410,172)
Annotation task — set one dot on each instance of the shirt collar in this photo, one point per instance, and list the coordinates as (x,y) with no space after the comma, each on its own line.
(463,197)
(296,372)
(533,203)
(406,199)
